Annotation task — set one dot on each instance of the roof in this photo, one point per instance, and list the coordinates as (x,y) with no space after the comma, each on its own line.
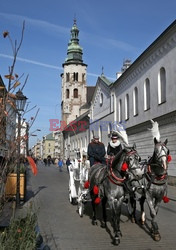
(90,93)
(105,80)
(49,137)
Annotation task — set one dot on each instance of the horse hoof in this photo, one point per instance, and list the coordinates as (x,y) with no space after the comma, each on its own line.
(133,220)
(94,222)
(157,237)
(103,224)
(116,241)
(142,222)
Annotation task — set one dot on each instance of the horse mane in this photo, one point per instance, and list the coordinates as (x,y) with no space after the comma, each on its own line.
(117,157)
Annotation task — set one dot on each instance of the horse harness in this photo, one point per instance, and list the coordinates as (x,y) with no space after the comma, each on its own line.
(114,178)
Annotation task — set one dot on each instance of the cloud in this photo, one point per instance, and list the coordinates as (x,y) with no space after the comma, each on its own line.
(46,26)
(44,64)
(32,62)
(60,30)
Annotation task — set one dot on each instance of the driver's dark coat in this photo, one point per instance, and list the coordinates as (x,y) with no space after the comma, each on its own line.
(96,153)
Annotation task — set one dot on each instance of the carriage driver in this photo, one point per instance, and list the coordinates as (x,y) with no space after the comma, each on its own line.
(114,147)
(96,151)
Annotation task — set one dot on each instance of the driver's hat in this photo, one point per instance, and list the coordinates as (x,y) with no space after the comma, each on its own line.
(114,136)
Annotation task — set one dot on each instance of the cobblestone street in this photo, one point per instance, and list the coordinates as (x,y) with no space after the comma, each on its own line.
(63,229)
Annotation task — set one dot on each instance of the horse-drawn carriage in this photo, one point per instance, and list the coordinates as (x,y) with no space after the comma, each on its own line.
(78,175)
(127,175)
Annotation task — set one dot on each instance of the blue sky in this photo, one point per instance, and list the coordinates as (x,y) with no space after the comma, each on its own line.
(110,31)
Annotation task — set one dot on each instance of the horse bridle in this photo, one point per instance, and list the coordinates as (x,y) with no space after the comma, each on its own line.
(159,156)
(116,180)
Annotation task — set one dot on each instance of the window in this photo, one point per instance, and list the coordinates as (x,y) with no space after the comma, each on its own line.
(83,77)
(120,110)
(112,103)
(75,93)
(67,93)
(135,101)
(109,128)
(75,76)
(92,135)
(162,86)
(101,99)
(126,107)
(85,144)
(67,77)
(100,133)
(147,94)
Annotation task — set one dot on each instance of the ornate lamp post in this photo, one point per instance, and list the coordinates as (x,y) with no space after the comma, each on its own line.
(20,104)
(28,135)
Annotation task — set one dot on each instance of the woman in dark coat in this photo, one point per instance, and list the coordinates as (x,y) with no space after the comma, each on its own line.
(96,151)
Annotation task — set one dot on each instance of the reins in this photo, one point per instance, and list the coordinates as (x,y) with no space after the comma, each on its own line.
(113,178)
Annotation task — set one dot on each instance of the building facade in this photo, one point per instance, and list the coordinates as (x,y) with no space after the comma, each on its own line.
(147,90)
(144,90)
(48,146)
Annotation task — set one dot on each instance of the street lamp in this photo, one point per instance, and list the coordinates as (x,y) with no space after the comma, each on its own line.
(28,135)
(20,104)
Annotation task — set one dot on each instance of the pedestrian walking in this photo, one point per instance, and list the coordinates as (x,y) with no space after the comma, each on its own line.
(60,164)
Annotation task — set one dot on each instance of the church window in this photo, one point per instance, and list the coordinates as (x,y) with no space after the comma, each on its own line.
(101,99)
(100,133)
(120,110)
(112,103)
(135,101)
(126,107)
(83,77)
(67,93)
(67,77)
(85,141)
(162,86)
(75,93)
(147,94)
(109,128)
(75,76)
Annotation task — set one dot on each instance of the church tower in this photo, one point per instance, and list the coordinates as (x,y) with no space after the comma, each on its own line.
(74,87)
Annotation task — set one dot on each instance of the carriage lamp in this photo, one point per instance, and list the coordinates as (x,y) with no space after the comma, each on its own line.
(20,104)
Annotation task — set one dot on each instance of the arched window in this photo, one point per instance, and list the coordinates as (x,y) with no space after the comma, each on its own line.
(127,107)
(92,135)
(75,76)
(120,110)
(112,103)
(67,93)
(101,99)
(85,142)
(81,144)
(75,93)
(162,86)
(83,77)
(135,101)
(147,94)
(100,133)
(109,128)
(67,77)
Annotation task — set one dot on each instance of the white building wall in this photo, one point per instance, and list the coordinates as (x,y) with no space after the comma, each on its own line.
(161,54)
